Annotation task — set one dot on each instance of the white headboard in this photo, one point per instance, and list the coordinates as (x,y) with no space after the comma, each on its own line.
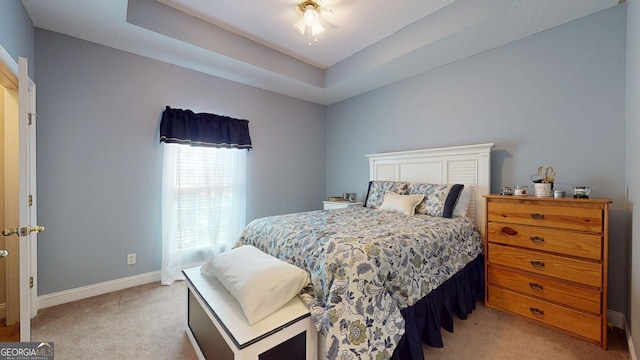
(468,164)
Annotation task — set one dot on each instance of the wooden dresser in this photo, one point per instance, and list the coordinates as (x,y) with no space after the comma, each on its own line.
(546,259)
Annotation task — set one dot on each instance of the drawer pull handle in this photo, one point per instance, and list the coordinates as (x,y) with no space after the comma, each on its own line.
(509,231)
(537,239)
(536,311)
(537,264)
(536,287)
(537,216)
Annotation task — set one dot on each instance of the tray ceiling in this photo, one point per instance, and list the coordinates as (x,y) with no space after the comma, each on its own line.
(367,43)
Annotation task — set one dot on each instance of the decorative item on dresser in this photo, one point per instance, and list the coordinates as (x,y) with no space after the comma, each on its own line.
(546,259)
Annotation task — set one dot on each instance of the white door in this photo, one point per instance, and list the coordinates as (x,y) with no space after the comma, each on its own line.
(27,204)
(20,229)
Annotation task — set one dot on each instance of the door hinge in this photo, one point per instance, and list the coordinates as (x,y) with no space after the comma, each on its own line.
(30,200)
(31,116)
(30,282)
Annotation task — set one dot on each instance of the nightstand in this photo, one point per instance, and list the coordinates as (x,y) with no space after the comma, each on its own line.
(328,205)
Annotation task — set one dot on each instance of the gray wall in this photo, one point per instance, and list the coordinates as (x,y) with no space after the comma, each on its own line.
(553,99)
(17,32)
(633,166)
(100,163)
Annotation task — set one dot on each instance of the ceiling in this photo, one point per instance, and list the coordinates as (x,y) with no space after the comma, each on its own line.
(367,43)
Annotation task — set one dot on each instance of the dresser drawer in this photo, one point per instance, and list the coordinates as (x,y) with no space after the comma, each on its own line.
(583,298)
(545,239)
(556,216)
(581,271)
(561,317)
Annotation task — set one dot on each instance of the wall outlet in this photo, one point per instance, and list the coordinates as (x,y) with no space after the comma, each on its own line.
(131,259)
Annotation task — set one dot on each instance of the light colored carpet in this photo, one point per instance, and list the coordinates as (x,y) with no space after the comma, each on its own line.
(143,322)
(491,334)
(147,322)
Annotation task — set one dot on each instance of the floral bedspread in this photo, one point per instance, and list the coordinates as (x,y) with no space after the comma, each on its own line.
(365,266)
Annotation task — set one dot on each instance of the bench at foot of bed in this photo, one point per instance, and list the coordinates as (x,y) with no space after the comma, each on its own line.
(218,329)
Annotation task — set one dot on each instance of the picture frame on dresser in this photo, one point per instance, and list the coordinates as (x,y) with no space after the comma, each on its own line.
(546,259)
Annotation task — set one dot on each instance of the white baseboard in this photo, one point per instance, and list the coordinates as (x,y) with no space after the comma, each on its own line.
(616,319)
(63,297)
(632,351)
(619,320)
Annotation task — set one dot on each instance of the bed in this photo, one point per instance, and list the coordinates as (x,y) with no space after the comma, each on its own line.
(385,283)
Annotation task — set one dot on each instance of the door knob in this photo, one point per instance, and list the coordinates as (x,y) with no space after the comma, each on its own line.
(3,253)
(23,231)
(9,232)
(36,229)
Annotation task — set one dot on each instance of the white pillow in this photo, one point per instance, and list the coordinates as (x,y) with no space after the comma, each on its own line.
(261,283)
(403,204)
(462,206)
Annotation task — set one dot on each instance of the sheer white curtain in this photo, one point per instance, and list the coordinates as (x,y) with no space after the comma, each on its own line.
(203,205)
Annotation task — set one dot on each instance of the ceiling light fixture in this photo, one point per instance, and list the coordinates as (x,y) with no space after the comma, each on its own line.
(309,23)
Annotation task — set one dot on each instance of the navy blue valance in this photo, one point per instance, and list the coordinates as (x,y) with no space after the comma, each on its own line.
(202,129)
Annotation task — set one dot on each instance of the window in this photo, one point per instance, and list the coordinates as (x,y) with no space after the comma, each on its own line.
(204,192)
(203,187)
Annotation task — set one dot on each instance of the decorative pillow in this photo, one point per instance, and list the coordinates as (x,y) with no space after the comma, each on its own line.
(462,206)
(452,200)
(261,283)
(435,197)
(403,204)
(377,190)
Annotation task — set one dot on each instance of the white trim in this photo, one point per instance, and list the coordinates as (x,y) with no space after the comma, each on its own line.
(616,319)
(63,297)
(632,351)
(8,60)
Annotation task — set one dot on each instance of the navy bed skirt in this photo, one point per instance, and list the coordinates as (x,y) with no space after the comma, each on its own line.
(424,320)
